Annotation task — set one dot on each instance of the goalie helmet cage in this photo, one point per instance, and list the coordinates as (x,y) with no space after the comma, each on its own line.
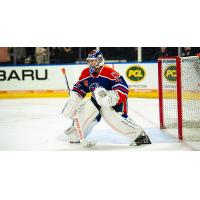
(179,92)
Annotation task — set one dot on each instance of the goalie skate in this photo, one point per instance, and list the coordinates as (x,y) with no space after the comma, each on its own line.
(143,138)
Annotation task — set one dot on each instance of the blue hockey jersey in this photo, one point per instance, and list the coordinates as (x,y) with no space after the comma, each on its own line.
(107,78)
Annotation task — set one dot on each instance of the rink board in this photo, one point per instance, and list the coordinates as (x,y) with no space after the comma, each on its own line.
(35,81)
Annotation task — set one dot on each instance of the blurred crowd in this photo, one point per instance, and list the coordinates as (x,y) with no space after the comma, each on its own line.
(37,55)
(62,55)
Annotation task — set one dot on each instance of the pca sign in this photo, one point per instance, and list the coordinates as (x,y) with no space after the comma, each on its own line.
(170,73)
(135,73)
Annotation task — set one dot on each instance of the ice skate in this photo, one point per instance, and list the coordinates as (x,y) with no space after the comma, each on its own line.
(143,138)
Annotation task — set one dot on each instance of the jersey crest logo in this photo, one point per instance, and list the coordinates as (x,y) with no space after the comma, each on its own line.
(115,74)
(93,86)
(85,82)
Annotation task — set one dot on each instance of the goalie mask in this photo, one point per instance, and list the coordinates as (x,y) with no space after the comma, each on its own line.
(95,60)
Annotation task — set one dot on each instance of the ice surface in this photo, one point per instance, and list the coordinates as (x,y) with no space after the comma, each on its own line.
(37,124)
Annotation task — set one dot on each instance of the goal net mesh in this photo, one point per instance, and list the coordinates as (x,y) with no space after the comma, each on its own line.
(190,89)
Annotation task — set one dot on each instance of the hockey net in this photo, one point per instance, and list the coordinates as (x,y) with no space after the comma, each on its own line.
(179,92)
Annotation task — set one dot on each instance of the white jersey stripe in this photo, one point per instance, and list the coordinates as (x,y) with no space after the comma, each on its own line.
(119,84)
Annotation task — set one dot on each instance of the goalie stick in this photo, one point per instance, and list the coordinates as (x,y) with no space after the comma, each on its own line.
(76,120)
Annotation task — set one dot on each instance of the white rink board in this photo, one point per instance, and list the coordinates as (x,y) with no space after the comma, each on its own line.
(54,78)
(50,77)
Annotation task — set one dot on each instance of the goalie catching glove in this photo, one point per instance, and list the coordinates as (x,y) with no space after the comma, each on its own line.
(106,97)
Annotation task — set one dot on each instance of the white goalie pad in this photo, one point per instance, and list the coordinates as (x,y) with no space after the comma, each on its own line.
(73,104)
(87,115)
(126,126)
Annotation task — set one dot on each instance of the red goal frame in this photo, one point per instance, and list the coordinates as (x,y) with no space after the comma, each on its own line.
(179,94)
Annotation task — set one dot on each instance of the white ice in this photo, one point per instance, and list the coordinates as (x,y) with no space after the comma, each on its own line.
(37,124)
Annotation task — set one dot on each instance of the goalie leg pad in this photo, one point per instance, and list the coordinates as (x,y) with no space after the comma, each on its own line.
(126,126)
(73,104)
(72,135)
(87,116)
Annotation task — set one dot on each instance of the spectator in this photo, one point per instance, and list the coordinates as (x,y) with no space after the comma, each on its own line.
(20,54)
(41,55)
(61,55)
(162,52)
(195,50)
(30,55)
(186,51)
(4,56)
(54,55)
(67,55)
